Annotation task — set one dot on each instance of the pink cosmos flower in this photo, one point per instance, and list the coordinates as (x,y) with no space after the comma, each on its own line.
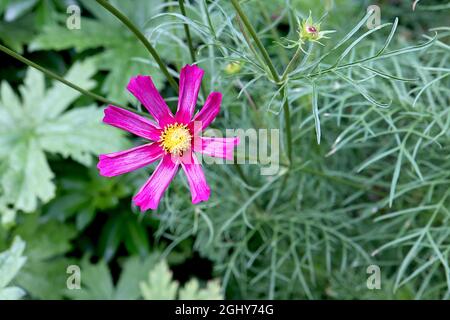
(174,138)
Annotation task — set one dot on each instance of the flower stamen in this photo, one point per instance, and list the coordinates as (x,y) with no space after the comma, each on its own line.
(175,138)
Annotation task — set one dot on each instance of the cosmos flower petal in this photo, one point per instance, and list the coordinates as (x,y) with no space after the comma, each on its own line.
(216,147)
(144,90)
(113,164)
(190,81)
(151,192)
(209,111)
(196,178)
(131,122)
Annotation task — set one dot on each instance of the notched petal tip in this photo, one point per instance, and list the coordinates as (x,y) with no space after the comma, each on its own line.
(143,205)
(102,167)
(203,197)
(107,113)
(192,68)
(138,78)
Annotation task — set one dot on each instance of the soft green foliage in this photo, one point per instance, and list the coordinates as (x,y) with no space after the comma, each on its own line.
(97,282)
(368,182)
(37,123)
(192,291)
(10,263)
(161,286)
(82,196)
(123,57)
(44,274)
(17,27)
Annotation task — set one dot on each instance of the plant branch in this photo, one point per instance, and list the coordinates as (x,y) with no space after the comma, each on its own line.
(275,76)
(189,41)
(133,28)
(59,78)
(258,43)
(287,122)
(291,63)
(187,31)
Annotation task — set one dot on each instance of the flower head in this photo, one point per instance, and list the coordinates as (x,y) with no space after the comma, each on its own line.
(309,31)
(173,138)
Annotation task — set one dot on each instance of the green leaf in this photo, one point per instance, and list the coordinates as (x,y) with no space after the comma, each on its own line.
(17,8)
(134,271)
(44,276)
(36,123)
(83,195)
(97,281)
(29,178)
(192,291)
(161,286)
(79,134)
(17,33)
(11,261)
(123,56)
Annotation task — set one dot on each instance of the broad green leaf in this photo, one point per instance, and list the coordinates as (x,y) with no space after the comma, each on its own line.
(97,282)
(17,8)
(44,275)
(11,261)
(192,291)
(29,177)
(83,195)
(161,286)
(16,34)
(123,56)
(37,123)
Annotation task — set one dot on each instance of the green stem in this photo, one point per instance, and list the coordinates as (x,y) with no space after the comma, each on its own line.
(57,77)
(189,40)
(133,28)
(291,64)
(287,122)
(258,43)
(273,31)
(275,76)
(187,31)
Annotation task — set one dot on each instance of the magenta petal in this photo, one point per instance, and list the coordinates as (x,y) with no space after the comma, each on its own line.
(216,147)
(151,192)
(196,178)
(117,163)
(209,110)
(144,90)
(131,122)
(190,81)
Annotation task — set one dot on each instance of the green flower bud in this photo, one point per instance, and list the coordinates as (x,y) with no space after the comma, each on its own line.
(233,67)
(310,31)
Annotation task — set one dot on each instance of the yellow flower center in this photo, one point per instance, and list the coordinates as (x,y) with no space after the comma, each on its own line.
(175,139)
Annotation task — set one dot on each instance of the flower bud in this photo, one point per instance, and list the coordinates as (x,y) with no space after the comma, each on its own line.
(233,67)
(310,31)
